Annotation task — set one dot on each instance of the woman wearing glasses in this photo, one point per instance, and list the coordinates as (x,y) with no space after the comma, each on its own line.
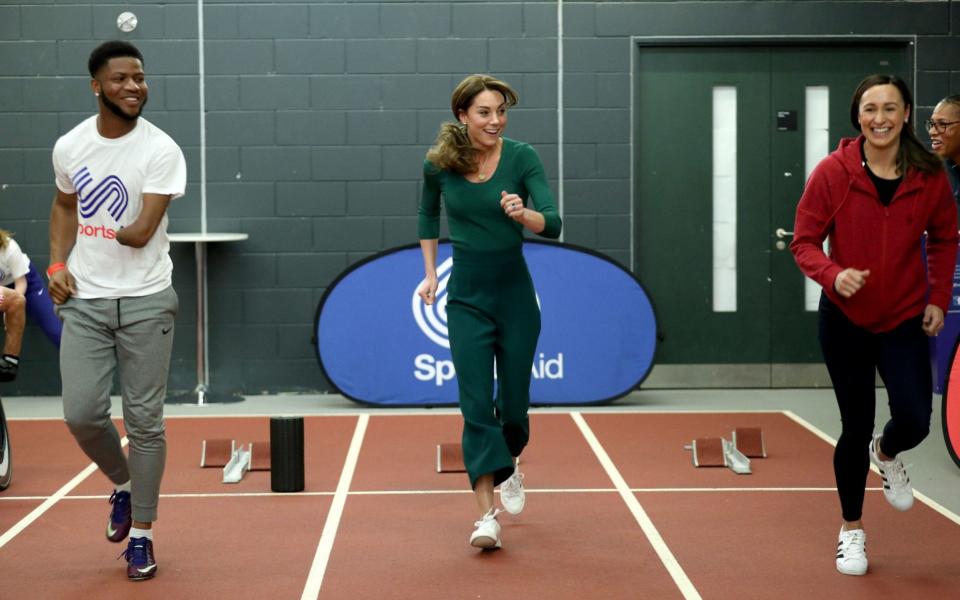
(944,130)
(873,197)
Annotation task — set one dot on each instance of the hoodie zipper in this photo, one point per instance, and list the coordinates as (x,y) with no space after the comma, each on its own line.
(883,252)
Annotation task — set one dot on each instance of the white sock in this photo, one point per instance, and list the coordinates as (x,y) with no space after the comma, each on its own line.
(136,532)
(123,487)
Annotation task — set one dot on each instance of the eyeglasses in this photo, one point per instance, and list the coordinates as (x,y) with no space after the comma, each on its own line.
(940,126)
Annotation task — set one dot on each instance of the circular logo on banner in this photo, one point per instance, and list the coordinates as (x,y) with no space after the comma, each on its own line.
(432,318)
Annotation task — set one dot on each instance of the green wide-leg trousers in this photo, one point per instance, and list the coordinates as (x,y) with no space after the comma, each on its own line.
(493,319)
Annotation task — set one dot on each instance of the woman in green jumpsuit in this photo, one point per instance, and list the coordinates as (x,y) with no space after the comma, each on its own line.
(492,187)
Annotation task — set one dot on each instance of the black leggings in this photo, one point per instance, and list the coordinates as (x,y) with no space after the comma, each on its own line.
(902,358)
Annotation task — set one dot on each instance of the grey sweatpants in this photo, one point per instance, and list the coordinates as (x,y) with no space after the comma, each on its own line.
(135,336)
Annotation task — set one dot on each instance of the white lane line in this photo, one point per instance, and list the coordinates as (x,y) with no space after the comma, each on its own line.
(526,489)
(741,489)
(445,411)
(448,492)
(660,547)
(400,412)
(943,510)
(186,495)
(344,413)
(630,410)
(315,579)
(810,427)
(49,502)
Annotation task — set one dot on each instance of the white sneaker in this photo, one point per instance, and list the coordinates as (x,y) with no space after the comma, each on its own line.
(896,483)
(852,552)
(487,532)
(512,495)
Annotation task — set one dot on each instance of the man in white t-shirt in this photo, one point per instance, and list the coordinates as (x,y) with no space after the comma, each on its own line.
(110,275)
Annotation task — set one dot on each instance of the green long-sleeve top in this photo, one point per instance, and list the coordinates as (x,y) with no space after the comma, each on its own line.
(474,215)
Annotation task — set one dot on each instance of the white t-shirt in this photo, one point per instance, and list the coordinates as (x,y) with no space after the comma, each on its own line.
(110,177)
(13,263)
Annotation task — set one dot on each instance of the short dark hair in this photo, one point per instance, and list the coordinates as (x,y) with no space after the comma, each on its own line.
(952,99)
(102,54)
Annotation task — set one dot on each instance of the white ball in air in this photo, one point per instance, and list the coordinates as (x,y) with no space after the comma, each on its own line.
(126,22)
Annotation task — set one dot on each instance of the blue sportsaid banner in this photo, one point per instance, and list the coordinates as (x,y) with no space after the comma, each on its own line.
(943,344)
(378,343)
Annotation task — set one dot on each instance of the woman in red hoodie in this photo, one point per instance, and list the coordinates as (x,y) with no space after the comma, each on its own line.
(873,198)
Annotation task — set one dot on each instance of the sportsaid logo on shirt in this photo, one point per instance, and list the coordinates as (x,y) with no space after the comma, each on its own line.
(373,350)
(109,195)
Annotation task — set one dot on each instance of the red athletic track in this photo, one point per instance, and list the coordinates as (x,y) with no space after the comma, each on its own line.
(726,535)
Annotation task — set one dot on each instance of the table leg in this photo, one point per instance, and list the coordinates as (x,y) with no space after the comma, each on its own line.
(202,393)
(202,373)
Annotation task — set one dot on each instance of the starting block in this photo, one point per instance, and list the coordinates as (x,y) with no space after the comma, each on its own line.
(749,441)
(259,456)
(238,466)
(707,452)
(216,453)
(736,461)
(234,458)
(718,452)
(450,458)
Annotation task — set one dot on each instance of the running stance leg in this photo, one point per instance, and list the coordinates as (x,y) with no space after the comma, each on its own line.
(904,366)
(144,343)
(849,354)
(87,362)
(519,327)
(472,338)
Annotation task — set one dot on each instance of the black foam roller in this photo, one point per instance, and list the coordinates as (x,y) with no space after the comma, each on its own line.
(286,454)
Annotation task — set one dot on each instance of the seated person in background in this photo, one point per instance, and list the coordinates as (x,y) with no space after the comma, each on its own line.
(22,289)
(13,305)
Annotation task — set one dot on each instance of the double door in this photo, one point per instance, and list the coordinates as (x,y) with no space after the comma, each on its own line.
(725,139)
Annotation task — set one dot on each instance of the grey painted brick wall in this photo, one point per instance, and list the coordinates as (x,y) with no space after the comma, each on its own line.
(318,116)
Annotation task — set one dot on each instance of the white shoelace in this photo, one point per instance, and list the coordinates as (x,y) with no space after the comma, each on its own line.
(491,514)
(513,484)
(896,473)
(852,545)
(894,470)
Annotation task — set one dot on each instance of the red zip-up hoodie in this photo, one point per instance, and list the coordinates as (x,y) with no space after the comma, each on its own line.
(841,202)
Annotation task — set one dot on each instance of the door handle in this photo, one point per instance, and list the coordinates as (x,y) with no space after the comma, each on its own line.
(782,233)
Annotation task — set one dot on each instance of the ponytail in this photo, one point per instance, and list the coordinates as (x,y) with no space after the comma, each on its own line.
(453,151)
(913,154)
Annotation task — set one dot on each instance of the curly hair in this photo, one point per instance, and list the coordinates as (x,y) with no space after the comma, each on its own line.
(4,238)
(452,150)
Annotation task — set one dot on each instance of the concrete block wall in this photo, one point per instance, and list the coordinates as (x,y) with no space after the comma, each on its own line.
(318,117)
